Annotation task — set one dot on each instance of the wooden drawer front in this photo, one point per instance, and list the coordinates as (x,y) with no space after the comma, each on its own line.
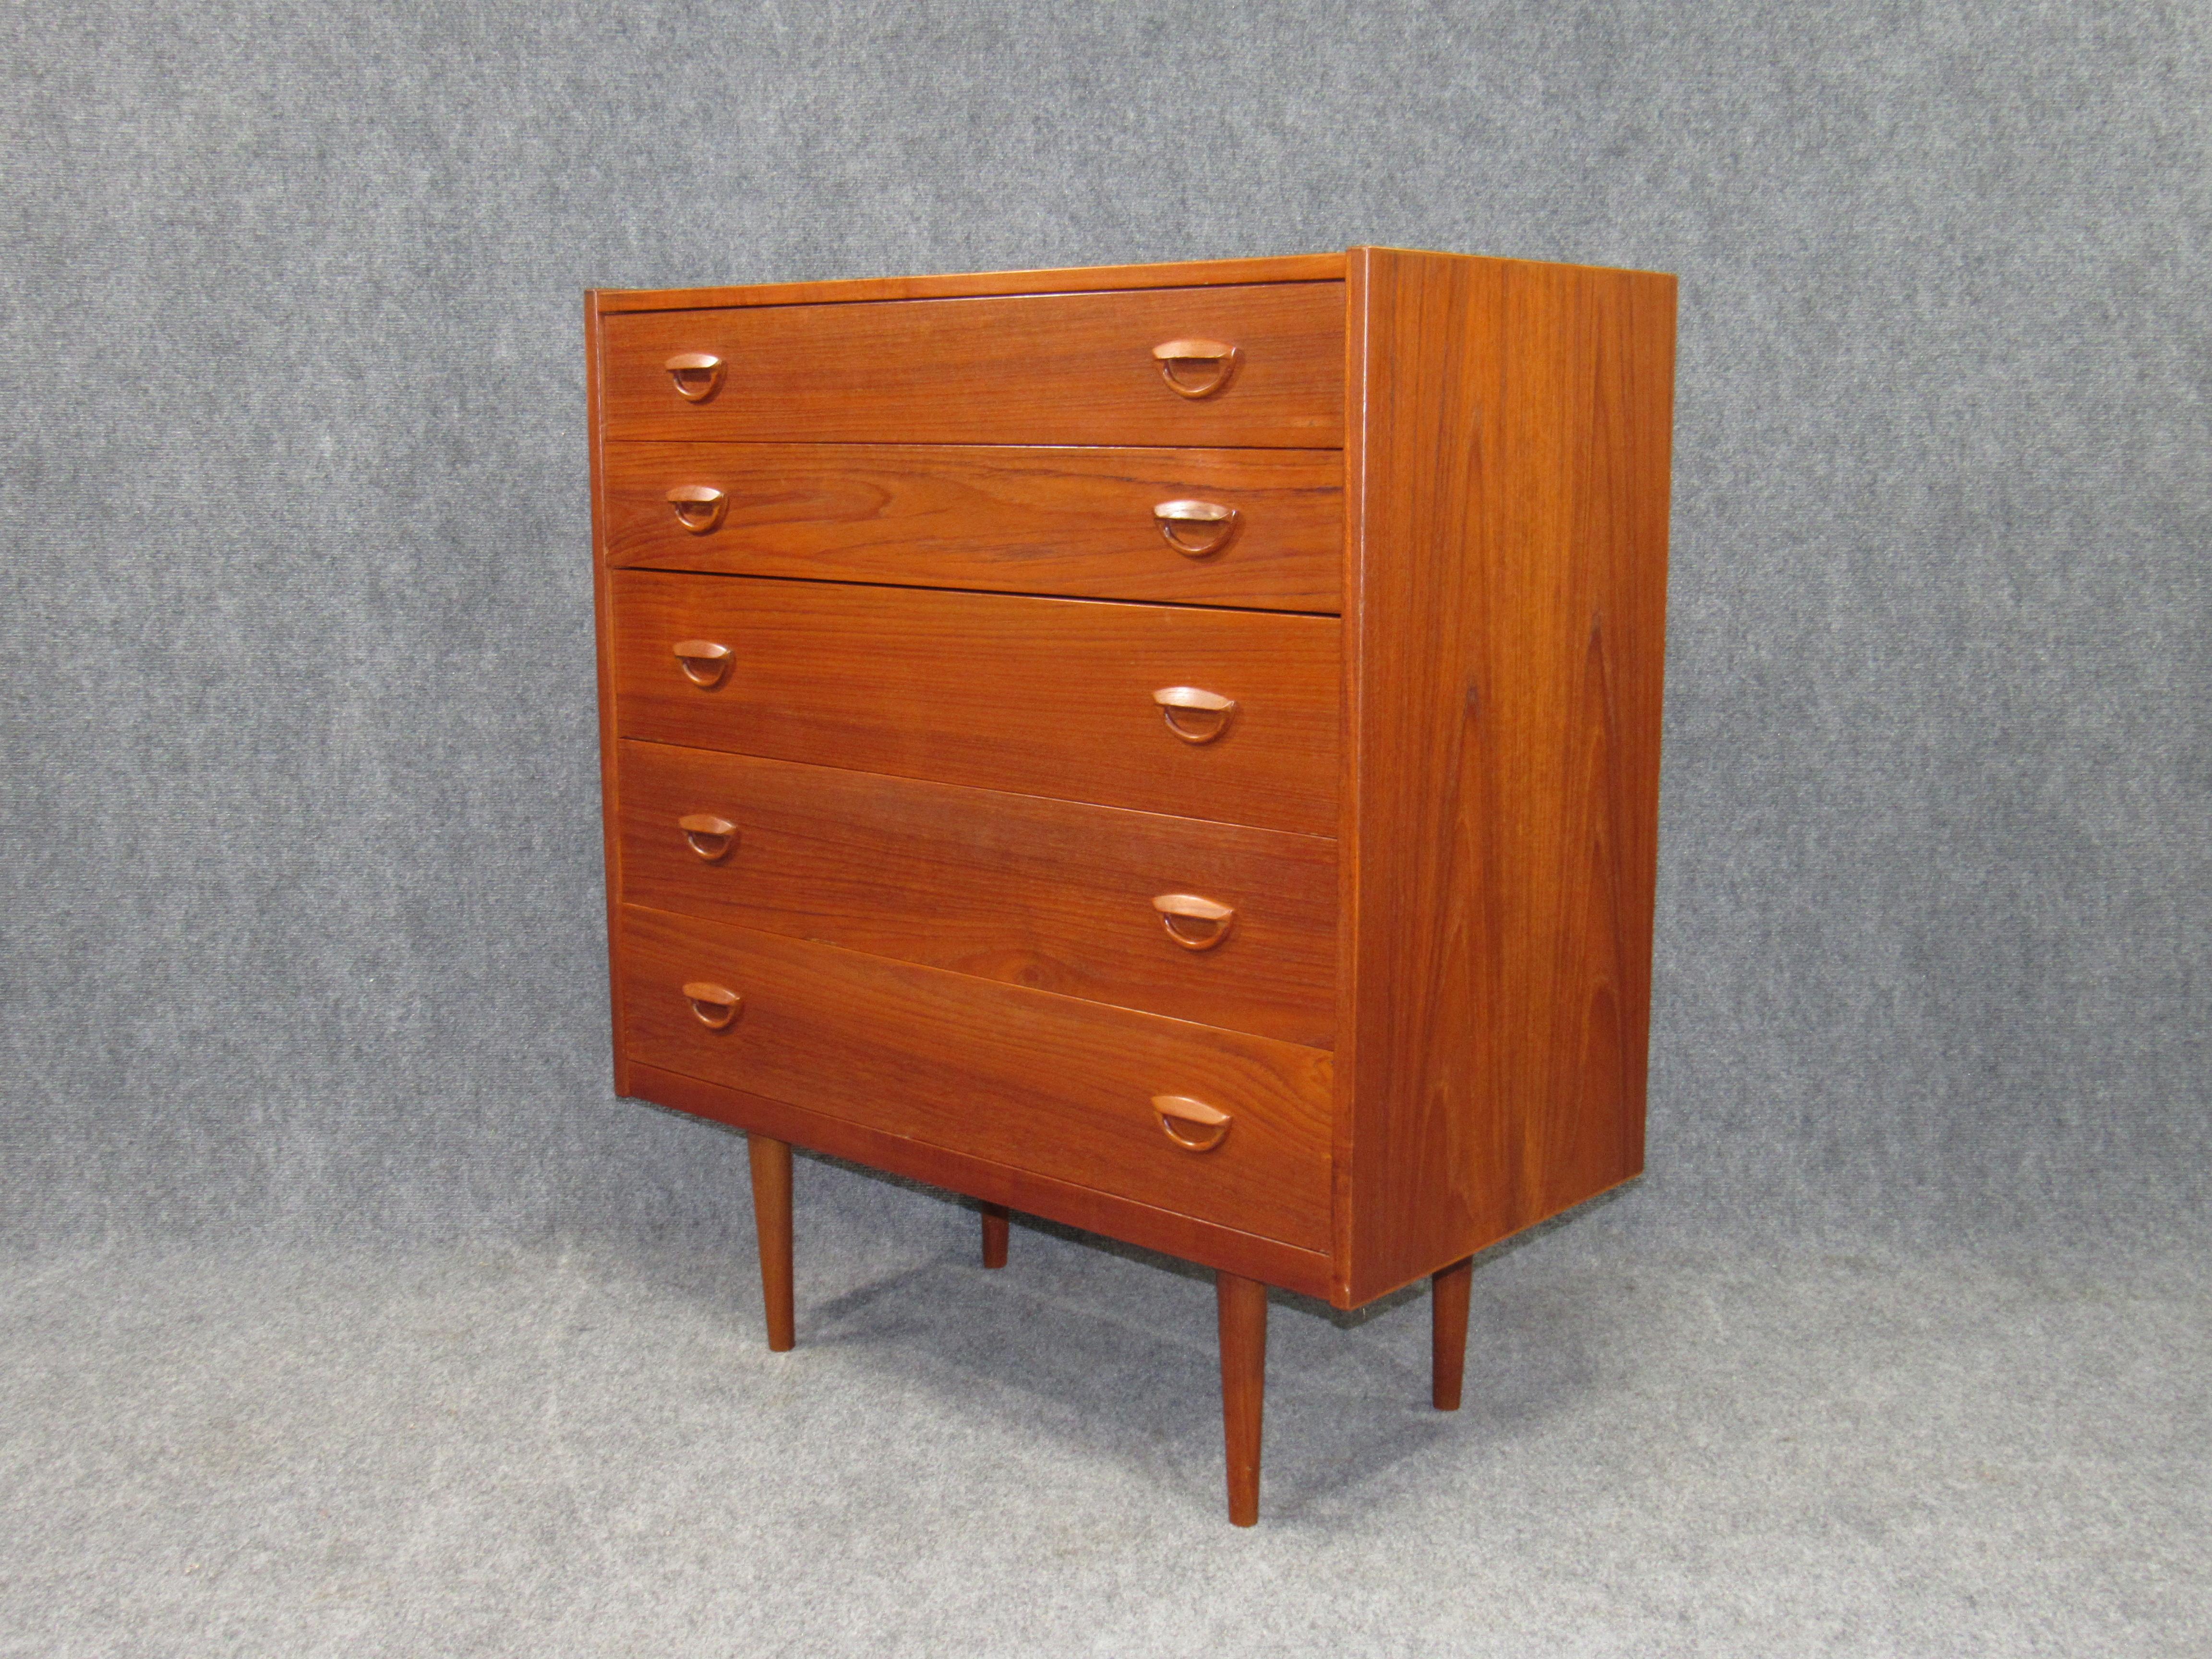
(1049,368)
(1049,894)
(1038,697)
(1075,522)
(1022,1078)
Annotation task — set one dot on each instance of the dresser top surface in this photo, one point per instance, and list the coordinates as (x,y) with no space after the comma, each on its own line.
(1197,273)
(1078,279)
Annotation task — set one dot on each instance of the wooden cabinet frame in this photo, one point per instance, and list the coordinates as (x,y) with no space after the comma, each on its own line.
(1506,448)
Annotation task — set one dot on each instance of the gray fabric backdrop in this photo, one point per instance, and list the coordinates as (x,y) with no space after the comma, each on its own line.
(303,923)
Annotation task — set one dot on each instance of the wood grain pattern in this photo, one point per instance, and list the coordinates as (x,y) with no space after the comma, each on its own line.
(1061,368)
(1009,519)
(1189,1238)
(1083,279)
(1507,520)
(1022,1078)
(1038,697)
(1053,895)
(602,615)
(771,1171)
(1448,1299)
(1242,1308)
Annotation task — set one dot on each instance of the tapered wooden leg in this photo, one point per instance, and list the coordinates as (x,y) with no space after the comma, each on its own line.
(771,1161)
(1243,1388)
(1448,1332)
(994,1235)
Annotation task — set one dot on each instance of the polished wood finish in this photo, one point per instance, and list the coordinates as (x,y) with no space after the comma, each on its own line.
(602,616)
(771,1166)
(1079,279)
(1507,524)
(1194,921)
(990,776)
(1116,523)
(1197,368)
(1048,368)
(695,375)
(1216,526)
(712,1005)
(703,662)
(1041,1082)
(1194,714)
(1149,1226)
(1053,895)
(1039,696)
(1191,1124)
(696,508)
(1243,1306)
(708,836)
(1448,1299)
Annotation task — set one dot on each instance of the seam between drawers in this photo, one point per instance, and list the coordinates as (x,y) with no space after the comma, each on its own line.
(984,592)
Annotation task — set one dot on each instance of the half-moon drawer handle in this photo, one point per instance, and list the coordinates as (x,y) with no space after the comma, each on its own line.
(697,374)
(710,837)
(1196,528)
(1197,368)
(1195,923)
(714,1005)
(699,507)
(1191,1124)
(703,662)
(1193,715)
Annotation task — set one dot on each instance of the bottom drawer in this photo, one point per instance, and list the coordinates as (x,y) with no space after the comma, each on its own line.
(1026,1078)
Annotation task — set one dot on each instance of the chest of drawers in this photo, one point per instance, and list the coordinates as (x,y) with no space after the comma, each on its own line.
(1173,749)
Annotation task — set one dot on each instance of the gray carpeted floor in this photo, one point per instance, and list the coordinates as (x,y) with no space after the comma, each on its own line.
(586,1449)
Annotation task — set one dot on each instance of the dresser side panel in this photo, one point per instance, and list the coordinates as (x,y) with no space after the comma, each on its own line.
(1508,509)
(603,614)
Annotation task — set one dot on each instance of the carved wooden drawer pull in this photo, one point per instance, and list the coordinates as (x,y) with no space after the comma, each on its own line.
(1195,923)
(1196,528)
(703,662)
(1191,1124)
(1194,715)
(697,374)
(711,837)
(699,507)
(1197,368)
(714,1005)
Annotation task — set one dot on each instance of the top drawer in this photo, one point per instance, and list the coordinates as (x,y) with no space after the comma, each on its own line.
(1048,368)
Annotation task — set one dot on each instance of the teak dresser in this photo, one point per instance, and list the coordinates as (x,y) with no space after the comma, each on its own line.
(1171,749)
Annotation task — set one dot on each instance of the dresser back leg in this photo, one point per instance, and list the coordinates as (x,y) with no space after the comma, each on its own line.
(771,1161)
(1243,1387)
(1448,1332)
(994,1235)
